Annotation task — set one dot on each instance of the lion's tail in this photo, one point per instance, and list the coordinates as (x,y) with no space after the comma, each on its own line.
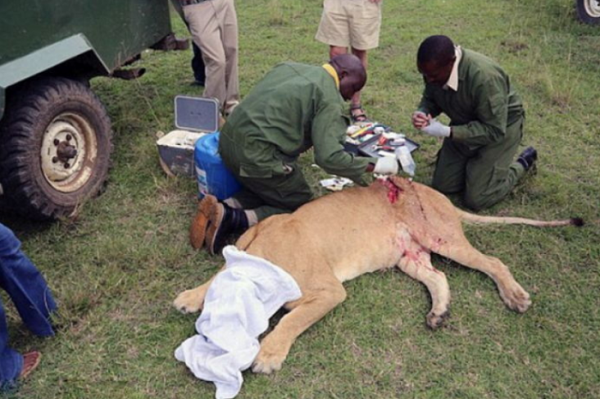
(477,219)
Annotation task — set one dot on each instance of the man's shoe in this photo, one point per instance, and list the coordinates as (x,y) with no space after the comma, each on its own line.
(200,221)
(224,222)
(528,158)
(229,108)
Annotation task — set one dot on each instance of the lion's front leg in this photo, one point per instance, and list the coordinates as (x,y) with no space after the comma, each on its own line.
(312,306)
(192,301)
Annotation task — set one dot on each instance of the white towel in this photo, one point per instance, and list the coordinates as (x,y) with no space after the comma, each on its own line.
(237,308)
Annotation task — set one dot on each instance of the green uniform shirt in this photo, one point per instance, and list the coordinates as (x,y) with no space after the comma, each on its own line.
(482,107)
(293,108)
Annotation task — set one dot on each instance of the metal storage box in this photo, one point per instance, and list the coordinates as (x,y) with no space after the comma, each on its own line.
(194,117)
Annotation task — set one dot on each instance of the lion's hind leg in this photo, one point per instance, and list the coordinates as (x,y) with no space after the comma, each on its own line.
(511,292)
(416,262)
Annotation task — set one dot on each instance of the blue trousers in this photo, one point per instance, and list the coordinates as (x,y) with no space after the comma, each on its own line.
(31,296)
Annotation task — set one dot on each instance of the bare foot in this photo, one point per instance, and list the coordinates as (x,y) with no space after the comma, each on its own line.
(30,361)
(358,114)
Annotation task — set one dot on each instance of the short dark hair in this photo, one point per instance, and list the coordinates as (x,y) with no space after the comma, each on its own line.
(438,49)
(349,63)
(352,65)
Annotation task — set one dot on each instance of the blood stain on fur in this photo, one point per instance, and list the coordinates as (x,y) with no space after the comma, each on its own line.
(393,190)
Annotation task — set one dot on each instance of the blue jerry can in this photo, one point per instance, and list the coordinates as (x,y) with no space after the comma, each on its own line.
(212,174)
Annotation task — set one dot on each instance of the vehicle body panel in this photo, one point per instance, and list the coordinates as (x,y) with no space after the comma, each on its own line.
(37,35)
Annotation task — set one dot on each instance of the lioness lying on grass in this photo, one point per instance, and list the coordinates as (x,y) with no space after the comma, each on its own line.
(391,223)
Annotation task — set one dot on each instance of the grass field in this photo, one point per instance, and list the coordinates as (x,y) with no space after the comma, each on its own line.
(116,269)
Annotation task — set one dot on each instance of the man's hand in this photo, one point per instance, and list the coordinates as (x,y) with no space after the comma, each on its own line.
(420,119)
(386,166)
(437,129)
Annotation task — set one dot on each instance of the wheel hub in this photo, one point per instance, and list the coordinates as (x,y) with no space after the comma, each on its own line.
(68,148)
(64,151)
(592,7)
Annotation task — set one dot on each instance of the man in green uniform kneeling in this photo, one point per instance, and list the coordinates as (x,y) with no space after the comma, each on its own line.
(486,126)
(295,107)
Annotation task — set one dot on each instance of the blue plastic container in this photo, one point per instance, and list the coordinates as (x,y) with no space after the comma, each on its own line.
(212,174)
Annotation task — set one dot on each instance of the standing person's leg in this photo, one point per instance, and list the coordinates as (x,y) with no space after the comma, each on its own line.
(13,365)
(11,361)
(229,24)
(364,18)
(356,109)
(25,285)
(206,33)
(333,28)
(336,50)
(198,66)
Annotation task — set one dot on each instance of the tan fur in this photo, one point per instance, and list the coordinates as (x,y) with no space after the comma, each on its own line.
(343,235)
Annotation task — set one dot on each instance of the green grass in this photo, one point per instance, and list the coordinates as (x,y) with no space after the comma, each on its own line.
(116,269)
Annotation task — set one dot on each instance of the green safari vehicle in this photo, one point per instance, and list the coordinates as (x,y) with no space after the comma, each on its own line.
(55,134)
(588,11)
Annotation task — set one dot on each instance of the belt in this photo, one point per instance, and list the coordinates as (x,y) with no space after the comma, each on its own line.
(190,2)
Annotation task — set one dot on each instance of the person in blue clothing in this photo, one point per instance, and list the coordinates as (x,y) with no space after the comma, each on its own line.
(28,290)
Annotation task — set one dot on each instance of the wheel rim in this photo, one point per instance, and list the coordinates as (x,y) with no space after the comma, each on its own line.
(592,8)
(68,152)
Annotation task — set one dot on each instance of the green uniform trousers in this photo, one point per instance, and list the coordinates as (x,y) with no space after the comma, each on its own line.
(281,193)
(485,175)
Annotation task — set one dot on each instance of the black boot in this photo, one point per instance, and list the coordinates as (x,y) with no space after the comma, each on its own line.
(528,158)
(223,223)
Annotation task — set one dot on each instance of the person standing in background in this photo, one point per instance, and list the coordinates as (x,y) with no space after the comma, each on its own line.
(355,24)
(213,25)
(197,63)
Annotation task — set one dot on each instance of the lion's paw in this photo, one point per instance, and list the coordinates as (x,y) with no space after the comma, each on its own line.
(188,302)
(516,298)
(435,320)
(267,361)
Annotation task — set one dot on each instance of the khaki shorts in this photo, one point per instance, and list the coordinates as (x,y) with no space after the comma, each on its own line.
(350,23)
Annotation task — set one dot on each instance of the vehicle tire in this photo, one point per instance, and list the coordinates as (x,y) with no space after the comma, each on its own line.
(588,11)
(55,146)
